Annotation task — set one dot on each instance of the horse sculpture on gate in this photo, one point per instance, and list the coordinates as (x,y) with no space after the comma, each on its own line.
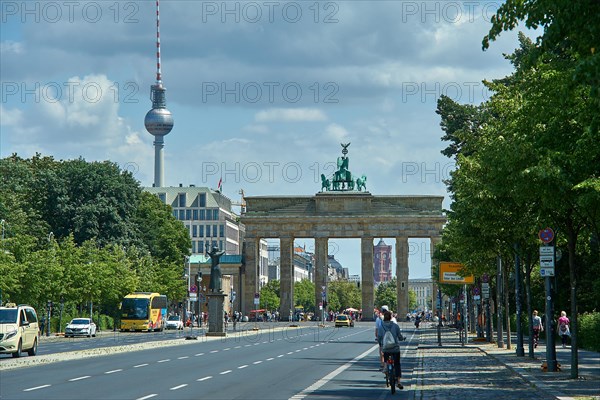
(361,183)
(325,183)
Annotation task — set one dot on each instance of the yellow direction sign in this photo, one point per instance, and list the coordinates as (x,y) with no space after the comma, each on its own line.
(449,273)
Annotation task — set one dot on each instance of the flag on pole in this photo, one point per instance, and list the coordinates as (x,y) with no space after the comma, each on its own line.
(220,186)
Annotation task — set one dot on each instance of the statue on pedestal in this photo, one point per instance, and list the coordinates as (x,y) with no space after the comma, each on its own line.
(215,270)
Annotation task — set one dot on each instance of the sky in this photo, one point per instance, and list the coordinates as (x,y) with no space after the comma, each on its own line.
(262,93)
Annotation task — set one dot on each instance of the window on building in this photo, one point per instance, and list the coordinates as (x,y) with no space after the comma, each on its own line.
(201,246)
(214,243)
(221,230)
(175,214)
(216,214)
(182,198)
(202,199)
(181,215)
(162,197)
(202,215)
(208,215)
(220,245)
(215,232)
(195,215)
(200,230)
(188,215)
(193,246)
(194,230)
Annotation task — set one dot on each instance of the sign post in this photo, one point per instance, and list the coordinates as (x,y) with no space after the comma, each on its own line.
(547,252)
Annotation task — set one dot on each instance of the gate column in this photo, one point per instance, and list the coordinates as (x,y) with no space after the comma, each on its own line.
(320,270)
(367,284)
(286,288)
(249,278)
(402,276)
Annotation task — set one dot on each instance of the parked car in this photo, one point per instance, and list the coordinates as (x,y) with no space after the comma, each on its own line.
(344,320)
(80,327)
(174,322)
(19,329)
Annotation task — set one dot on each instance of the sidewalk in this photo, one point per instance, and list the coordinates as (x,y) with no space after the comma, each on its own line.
(481,370)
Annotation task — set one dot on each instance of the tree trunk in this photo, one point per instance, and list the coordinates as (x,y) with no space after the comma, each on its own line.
(507,306)
(572,233)
(528,268)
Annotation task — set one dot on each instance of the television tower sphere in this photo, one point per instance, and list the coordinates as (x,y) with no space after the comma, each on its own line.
(159,121)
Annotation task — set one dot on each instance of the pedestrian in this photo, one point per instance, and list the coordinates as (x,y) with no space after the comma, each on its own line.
(388,325)
(537,328)
(563,328)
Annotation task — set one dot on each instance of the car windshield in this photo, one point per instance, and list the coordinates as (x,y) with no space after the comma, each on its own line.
(135,309)
(8,316)
(342,317)
(80,321)
(173,318)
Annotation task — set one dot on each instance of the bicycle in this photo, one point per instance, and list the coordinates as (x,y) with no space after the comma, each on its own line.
(390,374)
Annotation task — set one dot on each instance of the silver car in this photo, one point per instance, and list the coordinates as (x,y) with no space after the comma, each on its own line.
(80,327)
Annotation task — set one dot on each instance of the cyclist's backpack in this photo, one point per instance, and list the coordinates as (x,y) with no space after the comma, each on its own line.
(389,342)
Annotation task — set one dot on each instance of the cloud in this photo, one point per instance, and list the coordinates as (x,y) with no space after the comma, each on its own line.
(290,115)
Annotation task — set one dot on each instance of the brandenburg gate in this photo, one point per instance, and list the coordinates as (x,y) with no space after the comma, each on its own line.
(341,212)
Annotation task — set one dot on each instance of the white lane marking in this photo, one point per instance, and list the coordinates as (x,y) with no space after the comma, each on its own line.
(183,358)
(228,348)
(225,372)
(242,366)
(270,359)
(147,397)
(113,371)
(203,379)
(79,378)
(214,351)
(140,365)
(306,348)
(237,347)
(247,345)
(290,352)
(165,360)
(35,388)
(198,355)
(315,386)
(257,362)
(279,356)
(178,387)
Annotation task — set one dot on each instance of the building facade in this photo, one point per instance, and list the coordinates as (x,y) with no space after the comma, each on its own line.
(382,262)
(423,288)
(207,215)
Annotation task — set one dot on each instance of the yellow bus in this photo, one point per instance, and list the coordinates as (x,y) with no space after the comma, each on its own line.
(143,311)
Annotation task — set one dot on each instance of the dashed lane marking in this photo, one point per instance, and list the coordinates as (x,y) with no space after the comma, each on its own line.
(147,397)
(35,388)
(178,387)
(113,371)
(79,378)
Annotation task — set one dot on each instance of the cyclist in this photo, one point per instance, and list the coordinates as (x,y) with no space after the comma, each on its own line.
(389,325)
(378,322)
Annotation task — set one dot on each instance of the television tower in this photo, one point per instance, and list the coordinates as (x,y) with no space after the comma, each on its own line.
(159,120)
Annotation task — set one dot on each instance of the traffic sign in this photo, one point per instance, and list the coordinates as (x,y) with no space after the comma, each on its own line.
(475,290)
(547,271)
(546,235)
(193,289)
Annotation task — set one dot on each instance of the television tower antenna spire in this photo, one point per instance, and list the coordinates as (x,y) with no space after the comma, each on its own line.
(159,120)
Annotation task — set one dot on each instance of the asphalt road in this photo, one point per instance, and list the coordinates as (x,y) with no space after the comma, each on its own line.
(305,363)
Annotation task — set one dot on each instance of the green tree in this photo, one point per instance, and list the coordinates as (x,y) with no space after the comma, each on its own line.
(269,295)
(304,295)
(386,295)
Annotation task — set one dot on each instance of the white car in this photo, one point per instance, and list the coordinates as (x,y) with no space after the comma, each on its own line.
(18,330)
(174,322)
(80,327)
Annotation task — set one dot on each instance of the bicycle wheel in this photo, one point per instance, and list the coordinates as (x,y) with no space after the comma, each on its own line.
(392,378)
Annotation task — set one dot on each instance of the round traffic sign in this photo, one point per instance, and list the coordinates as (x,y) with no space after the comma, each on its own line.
(546,235)
(193,289)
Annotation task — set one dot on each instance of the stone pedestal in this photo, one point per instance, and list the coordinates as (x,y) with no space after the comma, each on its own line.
(216,323)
